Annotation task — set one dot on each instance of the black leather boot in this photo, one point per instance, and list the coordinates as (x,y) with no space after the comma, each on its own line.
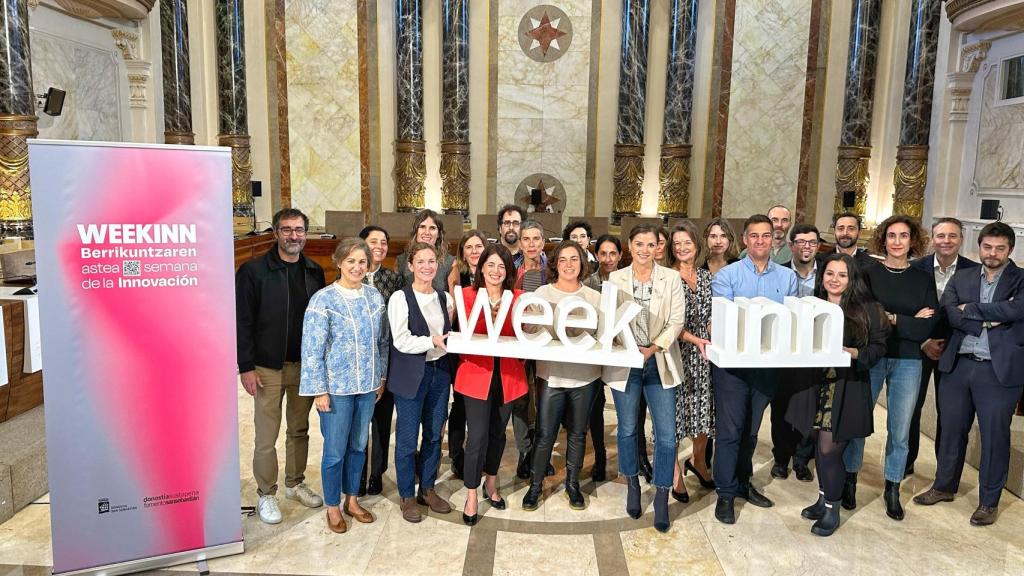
(829,521)
(815,511)
(850,491)
(599,473)
(531,501)
(572,490)
(661,523)
(644,466)
(893,508)
(633,497)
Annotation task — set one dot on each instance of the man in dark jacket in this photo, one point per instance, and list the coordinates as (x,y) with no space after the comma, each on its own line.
(271,294)
(983,368)
(941,264)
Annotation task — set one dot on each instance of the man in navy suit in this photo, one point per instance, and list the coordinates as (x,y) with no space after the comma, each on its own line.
(984,365)
(947,238)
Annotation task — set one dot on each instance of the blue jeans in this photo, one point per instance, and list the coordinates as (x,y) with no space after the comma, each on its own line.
(345,429)
(429,408)
(662,404)
(904,381)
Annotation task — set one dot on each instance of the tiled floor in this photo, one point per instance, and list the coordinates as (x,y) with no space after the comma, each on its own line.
(602,539)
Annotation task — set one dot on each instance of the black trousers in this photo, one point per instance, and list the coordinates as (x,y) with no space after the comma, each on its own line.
(574,404)
(597,426)
(380,434)
(929,367)
(741,396)
(972,388)
(787,442)
(457,431)
(486,421)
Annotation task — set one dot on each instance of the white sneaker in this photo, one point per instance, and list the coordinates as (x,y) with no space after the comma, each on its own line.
(269,511)
(304,495)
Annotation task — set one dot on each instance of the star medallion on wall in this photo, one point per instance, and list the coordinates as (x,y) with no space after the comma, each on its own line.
(545,33)
(540,197)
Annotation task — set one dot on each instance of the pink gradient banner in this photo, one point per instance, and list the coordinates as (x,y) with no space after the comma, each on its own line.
(134,255)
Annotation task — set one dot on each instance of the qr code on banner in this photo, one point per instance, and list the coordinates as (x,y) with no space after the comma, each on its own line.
(131,268)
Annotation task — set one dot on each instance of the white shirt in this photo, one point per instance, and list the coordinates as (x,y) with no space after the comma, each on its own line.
(398,317)
(567,374)
(942,277)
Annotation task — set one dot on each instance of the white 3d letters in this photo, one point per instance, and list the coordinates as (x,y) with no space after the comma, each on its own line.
(761,333)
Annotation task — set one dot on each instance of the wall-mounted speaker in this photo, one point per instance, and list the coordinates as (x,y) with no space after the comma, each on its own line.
(849,199)
(257,188)
(991,210)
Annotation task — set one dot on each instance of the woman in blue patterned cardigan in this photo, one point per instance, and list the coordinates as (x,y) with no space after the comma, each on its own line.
(344,362)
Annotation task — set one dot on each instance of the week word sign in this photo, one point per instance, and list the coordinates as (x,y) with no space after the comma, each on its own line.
(611,321)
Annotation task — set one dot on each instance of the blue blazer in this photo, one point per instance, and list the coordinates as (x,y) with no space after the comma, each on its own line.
(927,264)
(1006,341)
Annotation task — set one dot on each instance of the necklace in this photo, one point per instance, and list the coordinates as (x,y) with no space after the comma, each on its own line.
(895,270)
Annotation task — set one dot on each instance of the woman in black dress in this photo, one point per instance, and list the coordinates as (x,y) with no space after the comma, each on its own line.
(837,406)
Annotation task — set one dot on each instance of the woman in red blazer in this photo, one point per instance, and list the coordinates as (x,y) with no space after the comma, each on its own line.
(489,383)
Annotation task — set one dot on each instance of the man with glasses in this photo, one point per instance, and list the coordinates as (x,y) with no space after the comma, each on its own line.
(510,220)
(271,294)
(787,443)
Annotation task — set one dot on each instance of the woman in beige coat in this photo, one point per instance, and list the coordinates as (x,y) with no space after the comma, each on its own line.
(659,293)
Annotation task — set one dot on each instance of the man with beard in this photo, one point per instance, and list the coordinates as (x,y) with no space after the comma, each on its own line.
(787,442)
(510,220)
(781,219)
(847,227)
(983,371)
(271,294)
(941,265)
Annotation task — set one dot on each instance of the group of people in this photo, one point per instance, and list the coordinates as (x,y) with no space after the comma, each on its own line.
(373,345)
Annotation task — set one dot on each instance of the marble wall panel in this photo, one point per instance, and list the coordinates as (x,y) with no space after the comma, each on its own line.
(323,105)
(1000,163)
(542,107)
(762,164)
(91,78)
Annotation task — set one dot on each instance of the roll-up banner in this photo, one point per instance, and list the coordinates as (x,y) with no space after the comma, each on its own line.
(134,257)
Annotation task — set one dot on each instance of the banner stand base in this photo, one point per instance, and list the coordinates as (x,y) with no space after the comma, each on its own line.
(197,555)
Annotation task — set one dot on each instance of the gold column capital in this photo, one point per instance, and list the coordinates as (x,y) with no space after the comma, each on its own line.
(909,180)
(627,179)
(243,209)
(455,176)
(674,177)
(852,176)
(410,173)
(15,189)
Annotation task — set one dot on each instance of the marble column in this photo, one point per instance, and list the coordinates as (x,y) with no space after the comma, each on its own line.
(455,171)
(674,176)
(177,84)
(629,144)
(854,150)
(911,172)
(232,114)
(17,121)
(410,149)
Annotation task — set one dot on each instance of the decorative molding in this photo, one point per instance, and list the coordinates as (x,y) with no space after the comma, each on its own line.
(93,9)
(455,176)
(138,89)
(674,177)
(955,8)
(959,85)
(852,176)
(972,55)
(128,42)
(627,180)
(409,173)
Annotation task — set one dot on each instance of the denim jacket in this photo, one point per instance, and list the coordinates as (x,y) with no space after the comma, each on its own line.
(344,347)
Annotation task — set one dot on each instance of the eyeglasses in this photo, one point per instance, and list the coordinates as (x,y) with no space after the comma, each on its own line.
(803,243)
(511,223)
(290,231)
